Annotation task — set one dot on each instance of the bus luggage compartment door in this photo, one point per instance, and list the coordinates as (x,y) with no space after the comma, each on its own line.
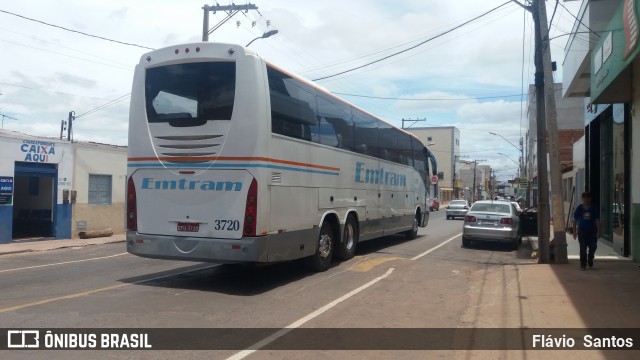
(208,204)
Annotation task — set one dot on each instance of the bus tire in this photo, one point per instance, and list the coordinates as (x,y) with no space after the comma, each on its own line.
(321,260)
(346,249)
(413,233)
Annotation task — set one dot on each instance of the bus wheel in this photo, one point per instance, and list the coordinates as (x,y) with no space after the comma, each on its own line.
(347,248)
(413,233)
(321,260)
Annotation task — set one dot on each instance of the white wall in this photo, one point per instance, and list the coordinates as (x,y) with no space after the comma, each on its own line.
(94,159)
(18,147)
(100,160)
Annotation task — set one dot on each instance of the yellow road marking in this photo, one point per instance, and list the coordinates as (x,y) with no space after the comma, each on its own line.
(89,292)
(369,264)
(66,297)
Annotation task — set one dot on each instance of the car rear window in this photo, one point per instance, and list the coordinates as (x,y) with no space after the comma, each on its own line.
(494,208)
(458,202)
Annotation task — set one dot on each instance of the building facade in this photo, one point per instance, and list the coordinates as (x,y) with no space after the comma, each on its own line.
(601,69)
(48,187)
(444,143)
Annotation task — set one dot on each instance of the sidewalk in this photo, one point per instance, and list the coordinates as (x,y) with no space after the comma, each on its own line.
(603,252)
(22,246)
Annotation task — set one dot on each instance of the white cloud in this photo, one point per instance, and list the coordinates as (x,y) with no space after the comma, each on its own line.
(483,58)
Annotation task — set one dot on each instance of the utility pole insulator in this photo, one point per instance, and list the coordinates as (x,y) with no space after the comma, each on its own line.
(413,122)
(231,11)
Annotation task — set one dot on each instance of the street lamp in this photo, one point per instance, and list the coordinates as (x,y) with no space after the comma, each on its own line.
(508,157)
(520,149)
(264,36)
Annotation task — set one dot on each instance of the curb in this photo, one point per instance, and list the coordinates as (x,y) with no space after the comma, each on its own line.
(62,245)
(16,252)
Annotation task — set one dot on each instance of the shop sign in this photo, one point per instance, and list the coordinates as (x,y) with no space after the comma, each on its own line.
(38,151)
(616,49)
(6,190)
(630,20)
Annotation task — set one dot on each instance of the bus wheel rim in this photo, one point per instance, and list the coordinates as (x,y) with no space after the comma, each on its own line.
(349,237)
(325,245)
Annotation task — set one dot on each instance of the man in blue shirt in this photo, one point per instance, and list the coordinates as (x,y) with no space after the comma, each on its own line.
(587,219)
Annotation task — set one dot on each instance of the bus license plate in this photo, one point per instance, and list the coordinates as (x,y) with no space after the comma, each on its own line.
(186,227)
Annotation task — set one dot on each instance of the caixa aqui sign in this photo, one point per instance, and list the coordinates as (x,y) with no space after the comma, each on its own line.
(37,151)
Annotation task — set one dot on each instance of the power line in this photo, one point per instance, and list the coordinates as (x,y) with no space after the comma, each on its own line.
(103,106)
(76,31)
(578,20)
(40,40)
(418,52)
(52,92)
(372,53)
(414,46)
(427,99)
(69,56)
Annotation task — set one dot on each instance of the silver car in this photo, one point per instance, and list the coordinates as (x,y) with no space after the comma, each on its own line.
(494,221)
(457,208)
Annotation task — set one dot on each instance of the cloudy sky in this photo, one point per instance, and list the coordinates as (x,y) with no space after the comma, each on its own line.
(471,78)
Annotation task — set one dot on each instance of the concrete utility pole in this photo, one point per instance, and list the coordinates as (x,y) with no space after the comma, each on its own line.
(72,116)
(559,233)
(539,12)
(543,177)
(8,117)
(453,180)
(63,127)
(231,11)
(475,174)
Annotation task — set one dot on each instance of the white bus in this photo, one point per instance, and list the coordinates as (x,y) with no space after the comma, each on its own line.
(234,160)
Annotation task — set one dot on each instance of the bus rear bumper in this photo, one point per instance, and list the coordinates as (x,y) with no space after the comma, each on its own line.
(245,250)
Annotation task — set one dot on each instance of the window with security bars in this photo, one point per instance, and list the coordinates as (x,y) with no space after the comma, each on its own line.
(99,189)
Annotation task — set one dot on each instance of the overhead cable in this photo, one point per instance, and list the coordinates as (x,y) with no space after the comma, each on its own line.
(414,46)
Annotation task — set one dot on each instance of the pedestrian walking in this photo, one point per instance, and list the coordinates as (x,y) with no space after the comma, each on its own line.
(586,227)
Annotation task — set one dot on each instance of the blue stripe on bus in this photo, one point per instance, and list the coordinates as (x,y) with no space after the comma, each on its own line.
(188,165)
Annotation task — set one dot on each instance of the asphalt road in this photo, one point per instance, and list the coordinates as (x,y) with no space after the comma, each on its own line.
(392,282)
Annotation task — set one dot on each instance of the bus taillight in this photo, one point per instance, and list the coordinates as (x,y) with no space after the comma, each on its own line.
(251,210)
(132,213)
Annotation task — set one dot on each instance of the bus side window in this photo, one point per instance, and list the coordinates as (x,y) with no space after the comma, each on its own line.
(388,138)
(293,106)
(366,134)
(405,149)
(420,161)
(338,116)
(327,134)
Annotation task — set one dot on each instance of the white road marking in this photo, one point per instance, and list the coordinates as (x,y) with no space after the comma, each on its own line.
(434,248)
(266,341)
(62,263)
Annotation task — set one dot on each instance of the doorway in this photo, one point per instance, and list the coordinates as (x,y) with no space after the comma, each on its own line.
(34,200)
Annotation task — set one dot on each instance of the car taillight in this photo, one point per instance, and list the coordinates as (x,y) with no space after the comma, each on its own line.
(132,212)
(469,218)
(506,221)
(251,210)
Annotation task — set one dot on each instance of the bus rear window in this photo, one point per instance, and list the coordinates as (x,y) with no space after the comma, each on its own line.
(190,94)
